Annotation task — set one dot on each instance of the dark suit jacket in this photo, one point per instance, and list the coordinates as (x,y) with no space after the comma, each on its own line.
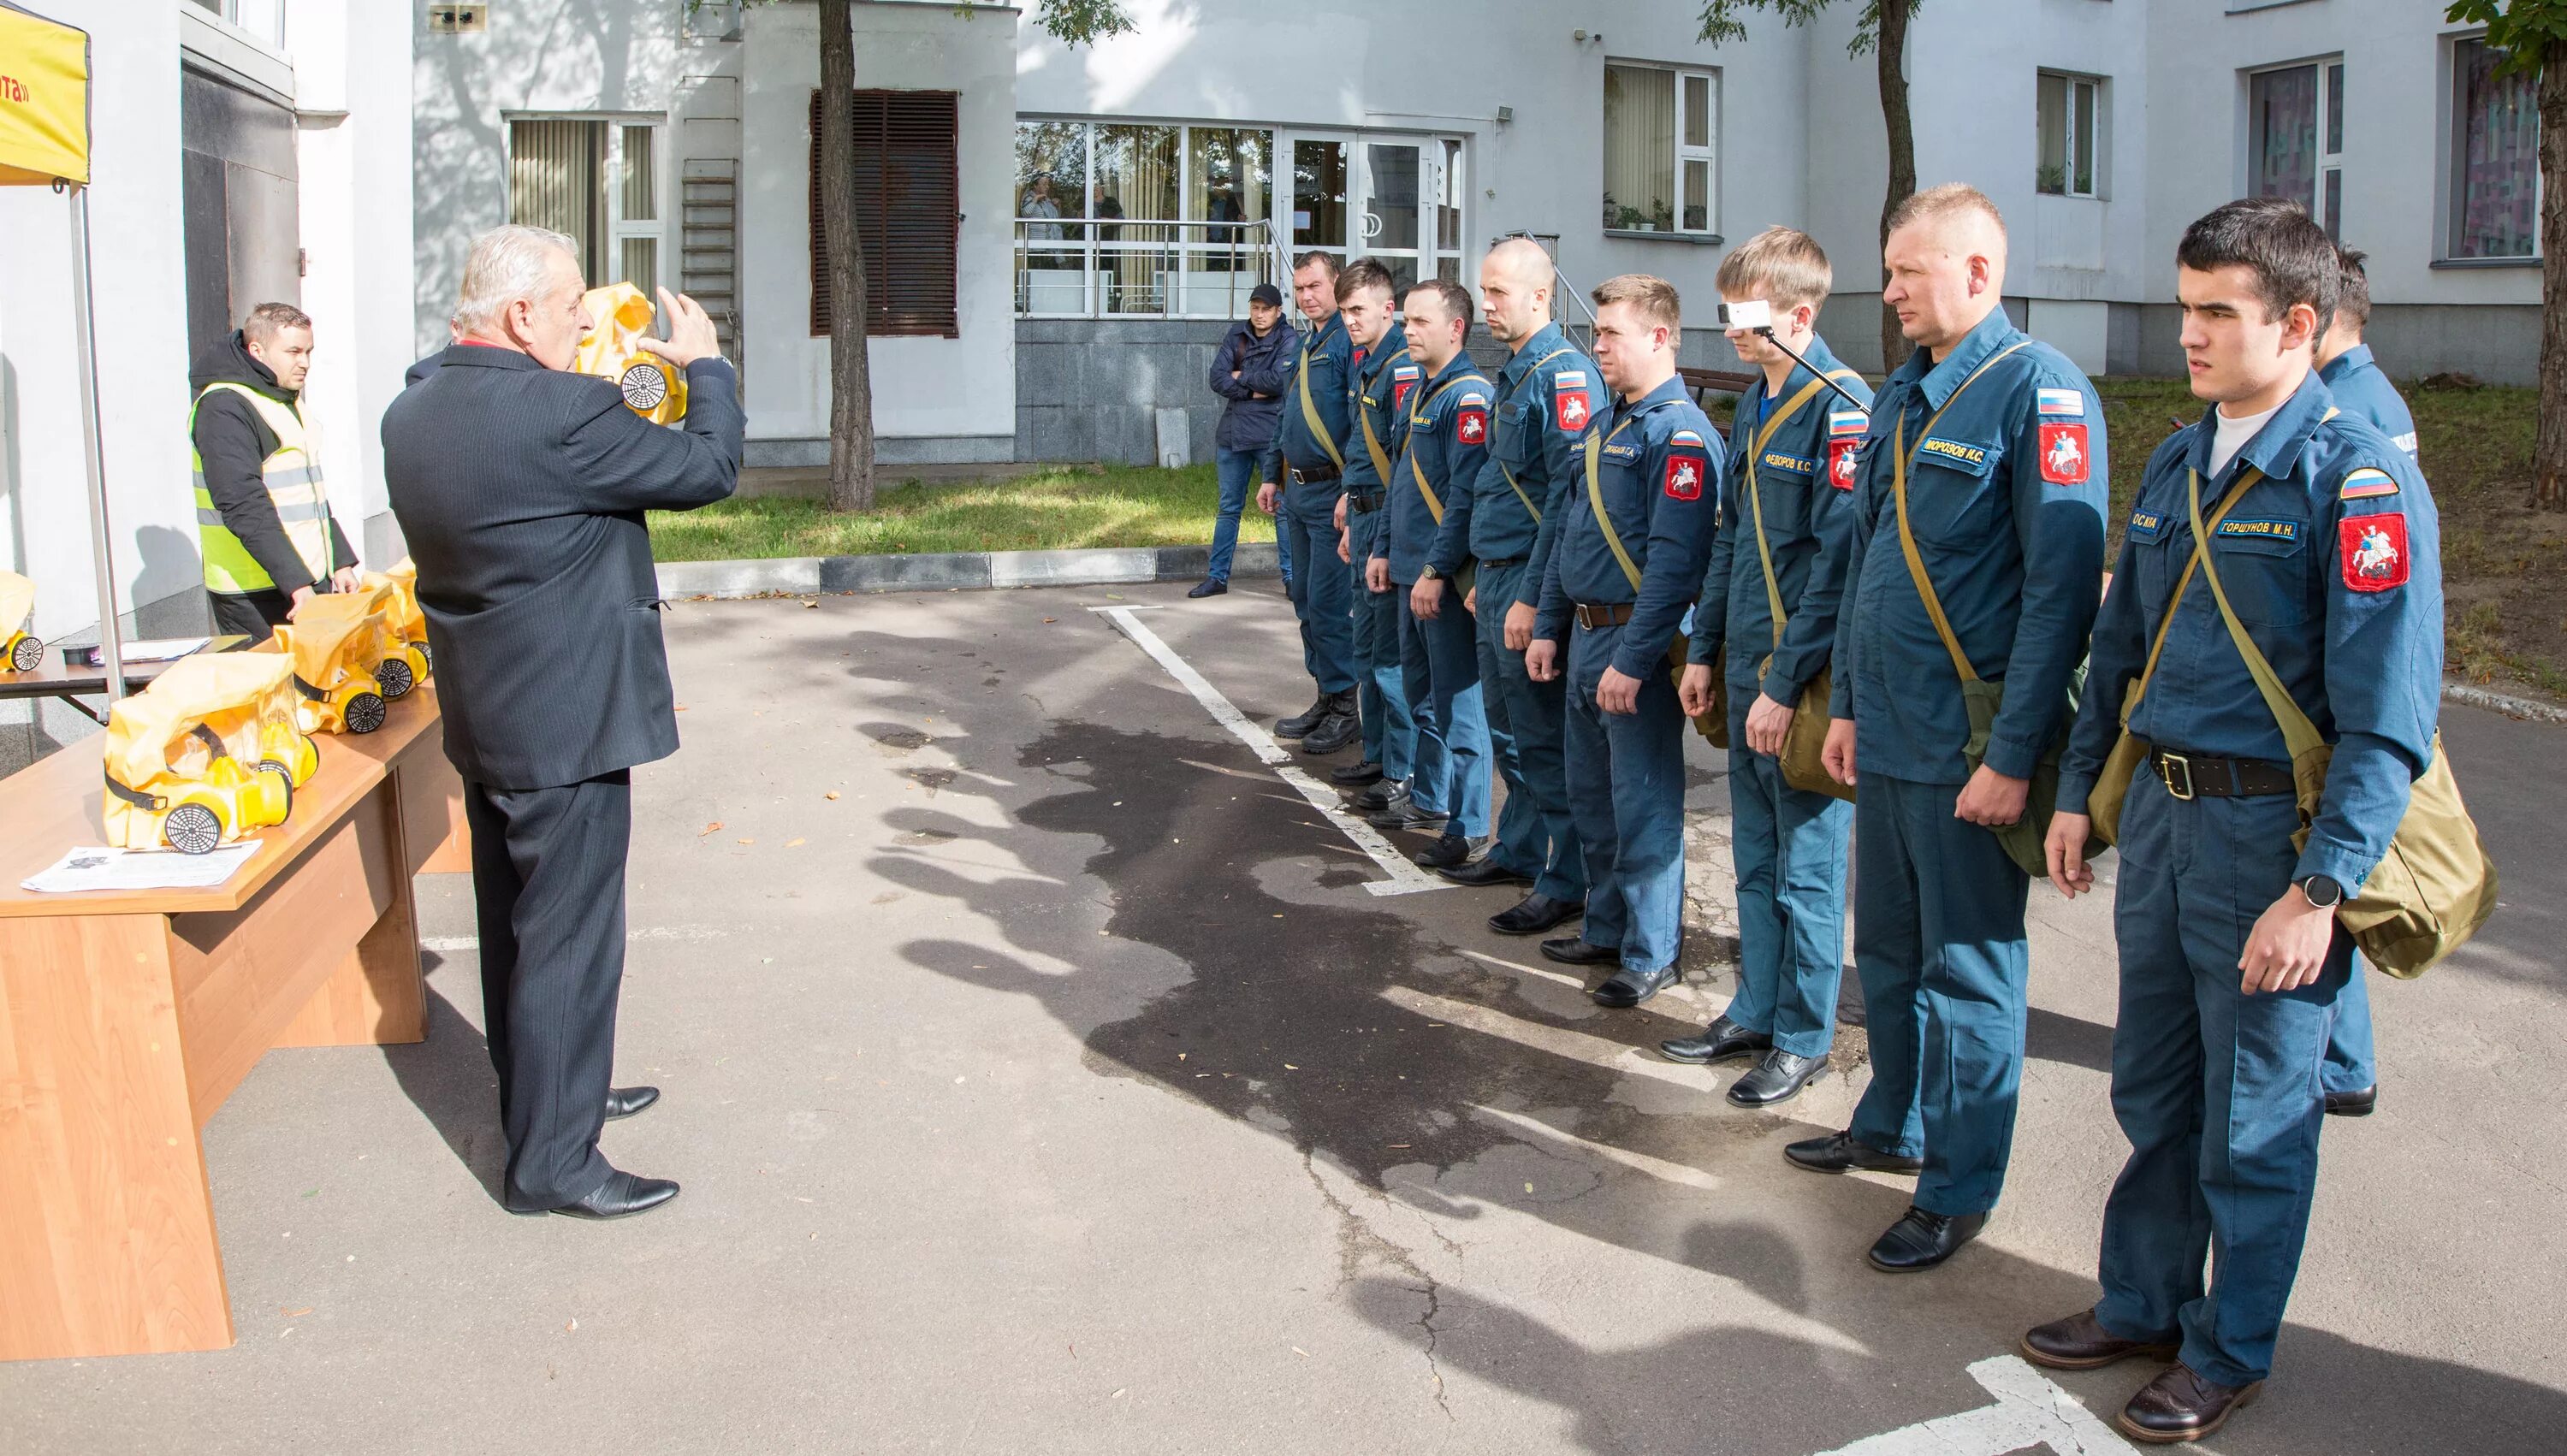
(520,490)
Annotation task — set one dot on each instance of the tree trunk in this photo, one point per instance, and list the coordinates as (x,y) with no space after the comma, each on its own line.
(2549,450)
(1892,54)
(851,388)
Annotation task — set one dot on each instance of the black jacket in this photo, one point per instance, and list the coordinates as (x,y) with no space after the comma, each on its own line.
(522,491)
(1248,423)
(234,442)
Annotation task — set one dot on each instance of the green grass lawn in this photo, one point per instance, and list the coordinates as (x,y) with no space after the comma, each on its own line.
(1059,507)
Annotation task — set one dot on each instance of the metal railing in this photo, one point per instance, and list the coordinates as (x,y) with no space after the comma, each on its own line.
(1146,268)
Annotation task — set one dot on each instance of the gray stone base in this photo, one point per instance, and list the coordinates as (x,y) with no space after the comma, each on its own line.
(955,571)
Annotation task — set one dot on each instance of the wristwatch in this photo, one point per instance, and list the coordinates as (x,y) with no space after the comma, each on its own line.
(1429,573)
(2322,891)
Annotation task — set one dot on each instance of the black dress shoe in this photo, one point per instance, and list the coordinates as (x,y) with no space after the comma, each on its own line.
(1535,913)
(1380,796)
(2180,1405)
(1837,1152)
(1719,1041)
(1209,587)
(1779,1077)
(1356,775)
(2081,1343)
(625,1101)
(1302,722)
(2359,1102)
(623,1195)
(1406,817)
(1576,949)
(1483,871)
(1921,1240)
(1627,987)
(1339,730)
(1450,851)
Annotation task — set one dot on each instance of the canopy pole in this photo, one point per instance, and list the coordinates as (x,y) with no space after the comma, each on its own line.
(111,631)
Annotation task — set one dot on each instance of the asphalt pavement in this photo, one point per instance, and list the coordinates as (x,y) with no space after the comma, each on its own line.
(1046,1073)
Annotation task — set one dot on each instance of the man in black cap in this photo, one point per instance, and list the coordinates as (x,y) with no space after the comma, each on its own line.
(1246,434)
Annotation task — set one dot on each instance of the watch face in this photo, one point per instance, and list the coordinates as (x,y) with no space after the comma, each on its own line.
(2322,890)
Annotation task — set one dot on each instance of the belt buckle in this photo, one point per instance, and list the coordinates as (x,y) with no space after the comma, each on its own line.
(2167,764)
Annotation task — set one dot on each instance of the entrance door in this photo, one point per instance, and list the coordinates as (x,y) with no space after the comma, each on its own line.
(1391,197)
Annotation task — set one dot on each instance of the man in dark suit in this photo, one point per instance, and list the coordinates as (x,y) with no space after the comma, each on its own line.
(522,490)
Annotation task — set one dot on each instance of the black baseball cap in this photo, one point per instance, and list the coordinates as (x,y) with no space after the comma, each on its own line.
(1267,294)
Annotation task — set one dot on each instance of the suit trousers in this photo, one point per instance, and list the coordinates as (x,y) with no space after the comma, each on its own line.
(2220,1092)
(1528,729)
(1626,790)
(1938,941)
(548,884)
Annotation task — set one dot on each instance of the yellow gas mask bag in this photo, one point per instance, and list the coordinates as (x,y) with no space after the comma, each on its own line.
(652,388)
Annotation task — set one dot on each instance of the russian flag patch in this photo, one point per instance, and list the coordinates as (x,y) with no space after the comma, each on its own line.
(2060,402)
(2365,483)
(1684,438)
(1841,423)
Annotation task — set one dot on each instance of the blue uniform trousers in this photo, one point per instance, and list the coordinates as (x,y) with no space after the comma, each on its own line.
(1528,722)
(2350,1066)
(1307,516)
(1788,848)
(1440,667)
(1388,733)
(1938,941)
(1625,775)
(2217,1092)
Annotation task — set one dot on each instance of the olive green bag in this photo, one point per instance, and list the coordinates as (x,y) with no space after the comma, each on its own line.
(1713,726)
(2435,885)
(1805,743)
(2022,839)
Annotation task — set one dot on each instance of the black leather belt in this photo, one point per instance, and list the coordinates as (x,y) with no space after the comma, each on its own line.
(2194,776)
(1366,503)
(1316,475)
(1502,561)
(1592,618)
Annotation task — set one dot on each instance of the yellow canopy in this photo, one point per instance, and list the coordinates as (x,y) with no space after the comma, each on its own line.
(44,100)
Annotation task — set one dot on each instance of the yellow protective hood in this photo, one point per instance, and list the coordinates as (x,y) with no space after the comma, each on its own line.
(651,389)
(334,632)
(16,599)
(229,688)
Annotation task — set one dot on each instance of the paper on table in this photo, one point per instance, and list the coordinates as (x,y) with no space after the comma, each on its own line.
(151,649)
(93,867)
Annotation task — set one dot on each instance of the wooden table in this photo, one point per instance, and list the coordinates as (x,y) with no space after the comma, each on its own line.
(125,1019)
(55,678)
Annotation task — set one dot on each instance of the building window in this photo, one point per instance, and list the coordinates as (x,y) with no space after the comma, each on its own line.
(1661,149)
(1142,219)
(2071,126)
(599,182)
(908,208)
(2495,157)
(2295,141)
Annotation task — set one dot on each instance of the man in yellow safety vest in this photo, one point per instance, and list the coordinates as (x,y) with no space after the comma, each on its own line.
(262,510)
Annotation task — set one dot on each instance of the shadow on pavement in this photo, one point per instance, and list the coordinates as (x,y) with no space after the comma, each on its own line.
(448,1077)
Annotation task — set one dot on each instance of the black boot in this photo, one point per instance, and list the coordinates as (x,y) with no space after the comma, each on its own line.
(1353,775)
(1301,723)
(1336,729)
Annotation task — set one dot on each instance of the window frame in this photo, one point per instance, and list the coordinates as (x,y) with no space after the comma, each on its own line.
(2327,125)
(2454,182)
(2082,128)
(1680,152)
(933,319)
(611,173)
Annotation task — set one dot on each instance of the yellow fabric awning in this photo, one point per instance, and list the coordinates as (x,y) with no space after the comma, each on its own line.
(44,100)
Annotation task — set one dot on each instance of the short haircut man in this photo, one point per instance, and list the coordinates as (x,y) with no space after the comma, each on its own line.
(265,533)
(2352,290)
(1455,297)
(1945,203)
(1326,261)
(1653,299)
(1361,275)
(2290,255)
(268,320)
(1783,265)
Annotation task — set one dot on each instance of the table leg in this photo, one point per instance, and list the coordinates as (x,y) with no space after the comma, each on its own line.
(377,995)
(107,1225)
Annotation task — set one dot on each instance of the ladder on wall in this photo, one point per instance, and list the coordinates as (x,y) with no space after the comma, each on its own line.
(708,244)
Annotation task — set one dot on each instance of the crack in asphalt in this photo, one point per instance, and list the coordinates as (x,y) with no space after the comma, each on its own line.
(1357,1239)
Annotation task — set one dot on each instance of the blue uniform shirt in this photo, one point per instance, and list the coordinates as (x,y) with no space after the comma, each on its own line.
(1805,475)
(1377,395)
(2361,388)
(1322,358)
(1661,487)
(2333,563)
(2007,497)
(1448,439)
(1547,397)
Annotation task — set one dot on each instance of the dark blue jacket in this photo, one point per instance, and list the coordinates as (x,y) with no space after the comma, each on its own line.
(1548,397)
(2361,388)
(1660,485)
(1320,363)
(2332,562)
(1248,422)
(1448,436)
(2006,497)
(1377,389)
(1805,478)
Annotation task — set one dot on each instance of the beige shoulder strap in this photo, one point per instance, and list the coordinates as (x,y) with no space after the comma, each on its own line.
(1511,483)
(1373,441)
(1595,502)
(2166,624)
(1899,466)
(2297,731)
(1310,410)
(1755,495)
(1434,505)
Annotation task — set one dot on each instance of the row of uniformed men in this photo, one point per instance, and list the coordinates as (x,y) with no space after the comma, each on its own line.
(1523,553)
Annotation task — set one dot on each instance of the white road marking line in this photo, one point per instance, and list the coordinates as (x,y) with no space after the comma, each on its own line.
(2030,1410)
(1685,1174)
(1577,982)
(647,933)
(1555,1041)
(1405,877)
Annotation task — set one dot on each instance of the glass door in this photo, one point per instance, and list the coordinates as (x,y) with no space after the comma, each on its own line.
(1394,198)
(1318,220)
(1392,219)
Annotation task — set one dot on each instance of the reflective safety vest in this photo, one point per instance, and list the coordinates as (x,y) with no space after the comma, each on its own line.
(292,476)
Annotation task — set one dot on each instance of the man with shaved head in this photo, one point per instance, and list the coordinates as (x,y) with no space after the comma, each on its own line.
(1547,396)
(1970,590)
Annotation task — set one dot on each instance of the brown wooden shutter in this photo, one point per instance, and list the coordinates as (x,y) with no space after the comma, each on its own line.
(909,216)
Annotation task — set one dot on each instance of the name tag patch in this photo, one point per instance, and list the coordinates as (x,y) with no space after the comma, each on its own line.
(2374,550)
(1684,476)
(2365,483)
(2063,454)
(2147,525)
(1774,460)
(2060,402)
(1622,453)
(1970,457)
(2259,530)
